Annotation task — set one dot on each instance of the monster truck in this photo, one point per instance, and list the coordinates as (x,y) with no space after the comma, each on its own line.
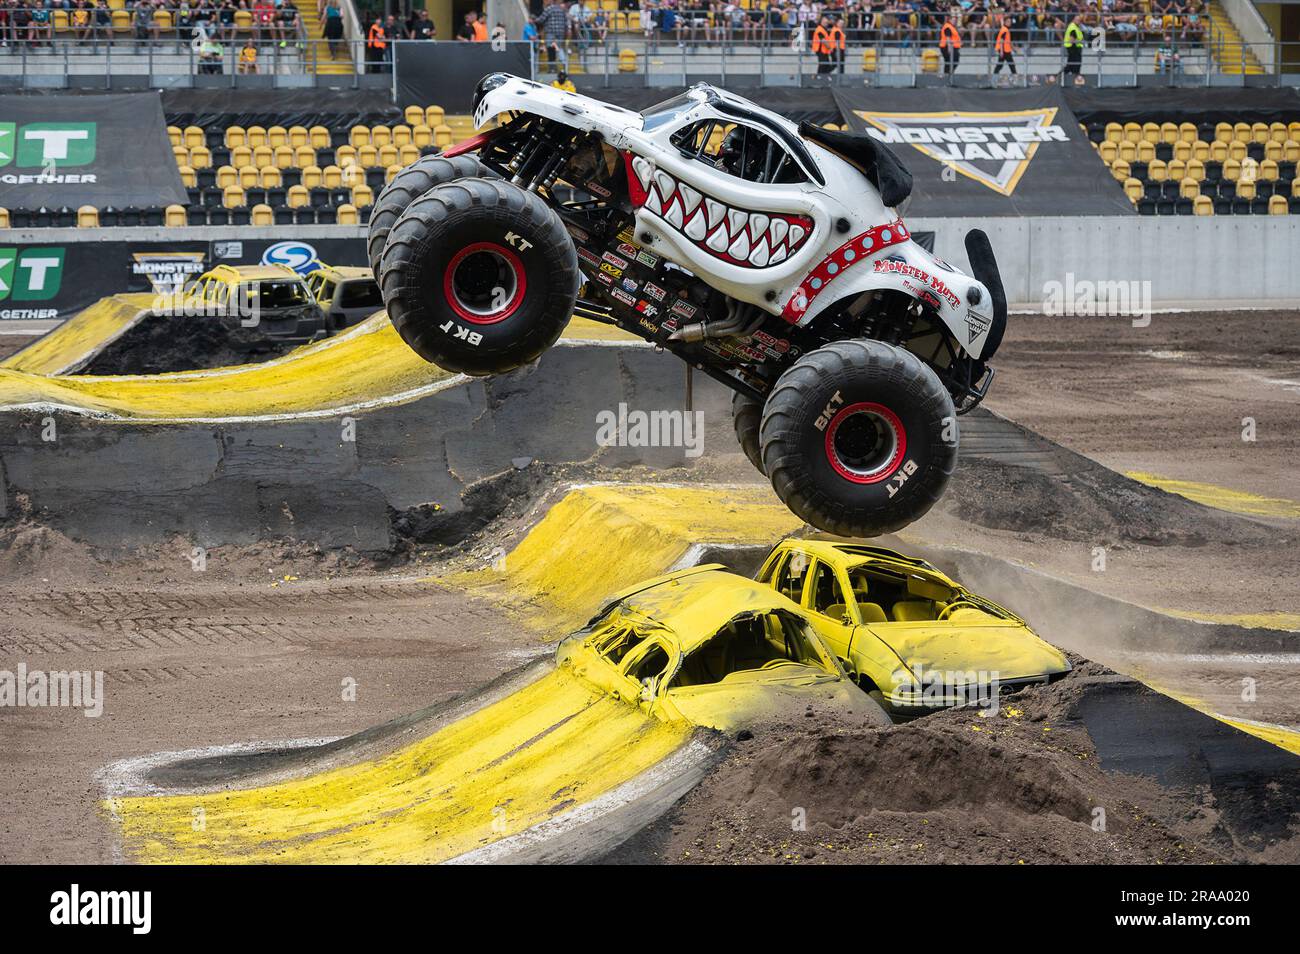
(766,254)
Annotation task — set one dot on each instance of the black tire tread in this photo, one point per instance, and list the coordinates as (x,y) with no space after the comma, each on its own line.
(426,222)
(747,416)
(790,402)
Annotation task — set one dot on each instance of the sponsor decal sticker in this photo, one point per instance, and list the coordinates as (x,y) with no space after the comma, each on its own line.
(32,274)
(167,272)
(612,259)
(654,291)
(588,256)
(891,265)
(683,308)
(295,255)
(648,259)
(623,296)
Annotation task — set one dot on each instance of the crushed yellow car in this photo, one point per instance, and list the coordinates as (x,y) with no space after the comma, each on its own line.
(713,649)
(912,637)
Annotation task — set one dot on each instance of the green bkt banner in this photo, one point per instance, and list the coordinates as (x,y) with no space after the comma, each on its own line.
(28,277)
(100,150)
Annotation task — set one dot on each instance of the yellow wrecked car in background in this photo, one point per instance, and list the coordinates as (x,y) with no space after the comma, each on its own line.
(913,638)
(714,649)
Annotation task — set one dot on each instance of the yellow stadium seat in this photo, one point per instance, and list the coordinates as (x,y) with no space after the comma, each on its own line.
(408,154)
(249,178)
(359,136)
(162,18)
(345,155)
(1128,151)
(1114,132)
(194,137)
(235,136)
(277,136)
(1277,132)
(318,137)
(868,60)
(352,174)
(1273,150)
(1187,132)
(298,137)
(1109,151)
(121,21)
(1277,205)
(1201,150)
(1150,133)
(1295,189)
(4,218)
(422,136)
(347,212)
(261,215)
(297,197)
(60,21)
(284,158)
(1189,188)
(200,157)
(433,116)
(1293,131)
(1258,133)
(388,155)
(1237,149)
(1169,132)
(182,155)
(442,135)
(1232,169)
(87,217)
(256,136)
(1268,170)
(1120,170)
(243,20)
(263,156)
(1291,151)
(174,217)
(312,176)
(227,176)
(380,136)
(401,135)
(1183,151)
(1246,189)
(174,134)
(1133,189)
(1203,205)
(232,197)
(367,156)
(1219,150)
(1175,170)
(1241,132)
(1157,171)
(391,171)
(929,60)
(304,156)
(414,115)
(1196,170)
(269,177)
(1146,151)
(1132,132)
(332,177)
(189,177)
(1223,132)
(362,196)
(241,156)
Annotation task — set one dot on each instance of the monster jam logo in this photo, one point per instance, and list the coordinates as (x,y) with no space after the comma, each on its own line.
(994,149)
(167,272)
(48,148)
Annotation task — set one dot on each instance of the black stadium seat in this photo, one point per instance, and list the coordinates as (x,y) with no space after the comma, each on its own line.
(1255,150)
(1164,151)
(274,196)
(205,178)
(375,179)
(1138,169)
(240,216)
(320,196)
(212,197)
(1259,205)
(129,217)
(109,216)
(218,216)
(326,216)
(304,216)
(20,219)
(153,216)
(65,218)
(1146,206)
(1227,189)
(196,215)
(1293,204)
(1223,206)
(1241,206)
(291,177)
(283,215)
(1183,206)
(254,197)
(1213,170)
(340,196)
(363,214)
(220,157)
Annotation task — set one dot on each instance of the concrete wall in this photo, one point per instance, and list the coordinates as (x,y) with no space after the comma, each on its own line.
(1190,261)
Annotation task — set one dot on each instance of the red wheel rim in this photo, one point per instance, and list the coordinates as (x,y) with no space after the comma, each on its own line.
(484,283)
(865,443)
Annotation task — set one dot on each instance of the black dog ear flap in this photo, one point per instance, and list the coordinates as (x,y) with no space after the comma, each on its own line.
(877,162)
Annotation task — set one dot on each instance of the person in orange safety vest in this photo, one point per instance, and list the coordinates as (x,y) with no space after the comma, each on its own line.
(1004,49)
(949,46)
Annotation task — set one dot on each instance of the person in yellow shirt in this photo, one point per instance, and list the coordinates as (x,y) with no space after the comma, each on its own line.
(563,82)
(248,57)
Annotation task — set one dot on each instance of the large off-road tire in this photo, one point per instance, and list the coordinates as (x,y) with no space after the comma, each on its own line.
(859,438)
(747,415)
(479,276)
(407,186)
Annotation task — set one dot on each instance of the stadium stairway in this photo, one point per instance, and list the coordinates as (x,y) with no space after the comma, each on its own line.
(326,64)
(1230,52)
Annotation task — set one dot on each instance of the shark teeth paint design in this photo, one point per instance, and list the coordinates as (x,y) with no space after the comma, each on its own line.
(739,236)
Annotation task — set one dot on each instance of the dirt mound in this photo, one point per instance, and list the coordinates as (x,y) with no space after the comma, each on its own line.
(1023,786)
(161,343)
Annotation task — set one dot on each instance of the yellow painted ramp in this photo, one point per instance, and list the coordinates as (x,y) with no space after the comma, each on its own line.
(1221,498)
(368,365)
(547,749)
(599,539)
(79,338)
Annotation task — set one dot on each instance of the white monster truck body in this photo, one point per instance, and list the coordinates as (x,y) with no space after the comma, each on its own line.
(769,255)
(793,249)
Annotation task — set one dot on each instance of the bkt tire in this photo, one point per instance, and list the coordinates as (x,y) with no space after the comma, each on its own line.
(479,276)
(407,186)
(859,438)
(747,415)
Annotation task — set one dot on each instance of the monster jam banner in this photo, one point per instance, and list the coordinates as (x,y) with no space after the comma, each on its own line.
(988,152)
(55,281)
(113,149)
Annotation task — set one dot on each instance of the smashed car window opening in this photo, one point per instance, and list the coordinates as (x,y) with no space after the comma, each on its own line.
(747,643)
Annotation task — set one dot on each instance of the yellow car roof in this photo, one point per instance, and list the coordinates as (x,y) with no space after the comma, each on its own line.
(342,271)
(694,604)
(251,273)
(846,554)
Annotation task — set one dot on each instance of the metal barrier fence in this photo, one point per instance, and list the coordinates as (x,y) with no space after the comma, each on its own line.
(655,58)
